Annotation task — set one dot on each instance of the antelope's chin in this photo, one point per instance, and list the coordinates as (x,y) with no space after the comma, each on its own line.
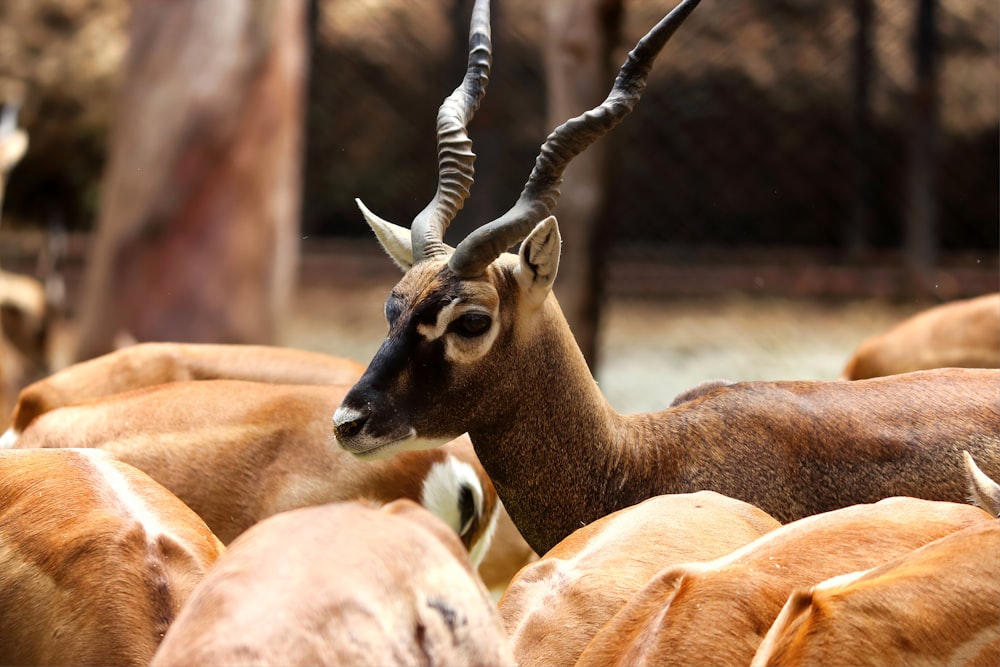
(376,449)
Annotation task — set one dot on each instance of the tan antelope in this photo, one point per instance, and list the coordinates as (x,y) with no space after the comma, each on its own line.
(237,452)
(148,364)
(717,612)
(555,606)
(937,605)
(96,559)
(963,333)
(477,344)
(340,584)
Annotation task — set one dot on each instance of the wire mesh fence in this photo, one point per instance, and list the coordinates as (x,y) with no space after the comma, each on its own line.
(764,125)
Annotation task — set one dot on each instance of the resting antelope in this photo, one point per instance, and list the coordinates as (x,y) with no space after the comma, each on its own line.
(237,452)
(477,344)
(963,333)
(148,364)
(96,559)
(556,605)
(340,584)
(718,611)
(937,605)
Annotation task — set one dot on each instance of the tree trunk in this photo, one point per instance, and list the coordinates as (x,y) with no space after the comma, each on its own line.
(863,71)
(921,206)
(197,238)
(579,74)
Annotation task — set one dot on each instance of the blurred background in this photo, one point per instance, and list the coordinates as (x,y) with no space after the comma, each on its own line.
(798,175)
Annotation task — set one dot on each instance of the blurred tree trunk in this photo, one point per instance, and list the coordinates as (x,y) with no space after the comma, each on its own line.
(197,238)
(579,73)
(863,73)
(921,196)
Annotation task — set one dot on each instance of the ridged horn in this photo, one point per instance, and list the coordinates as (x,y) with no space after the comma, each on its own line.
(540,193)
(455,156)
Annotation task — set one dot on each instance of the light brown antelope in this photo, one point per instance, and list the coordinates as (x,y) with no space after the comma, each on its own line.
(937,605)
(96,559)
(340,584)
(237,452)
(148,364)
(963,333)
(477,344)
(555,606)
(718,611)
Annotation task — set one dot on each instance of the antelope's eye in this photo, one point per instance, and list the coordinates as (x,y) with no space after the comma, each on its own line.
(471,325)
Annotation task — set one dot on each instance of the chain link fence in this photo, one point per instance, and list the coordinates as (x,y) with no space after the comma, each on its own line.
(752,133)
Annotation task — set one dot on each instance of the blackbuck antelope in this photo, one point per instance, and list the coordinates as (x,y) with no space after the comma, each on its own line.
(937,605)
(717,612)
(963,333)
(340,584)
(96,559)
(149,364)
(477,343)
(556,605)
(237,452)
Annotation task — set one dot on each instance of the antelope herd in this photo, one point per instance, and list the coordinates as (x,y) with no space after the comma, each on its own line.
(477,501)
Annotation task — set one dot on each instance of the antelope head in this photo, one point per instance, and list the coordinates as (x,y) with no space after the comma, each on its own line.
(473,329)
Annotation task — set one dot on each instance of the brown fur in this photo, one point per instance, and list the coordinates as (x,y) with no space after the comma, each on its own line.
(507,555)
(963,333)
(148,364)
(85,576)
(361,586)
(560,456)
(237,452)
(937,605)
(717,612)
(555,606)
(504,367)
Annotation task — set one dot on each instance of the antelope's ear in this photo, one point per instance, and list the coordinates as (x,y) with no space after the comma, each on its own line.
(395,240)
(539,260)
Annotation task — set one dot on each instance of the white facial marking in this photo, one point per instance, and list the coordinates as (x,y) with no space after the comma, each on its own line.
(344,415)
(435,331)
(458,348)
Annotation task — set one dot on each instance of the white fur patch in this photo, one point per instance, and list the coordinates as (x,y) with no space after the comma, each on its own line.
(9,438)
(122,489)
(456,348)
(441,494)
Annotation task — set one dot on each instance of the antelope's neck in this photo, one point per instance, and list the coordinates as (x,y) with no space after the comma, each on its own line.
(561,457)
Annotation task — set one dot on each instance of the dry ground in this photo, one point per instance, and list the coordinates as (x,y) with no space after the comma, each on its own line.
(651,349)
